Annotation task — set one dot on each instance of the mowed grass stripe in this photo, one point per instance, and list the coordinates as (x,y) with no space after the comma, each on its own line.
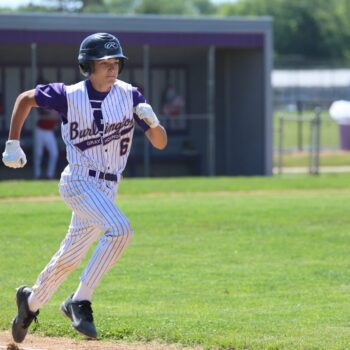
(156,195)
(224,271)
(136,186)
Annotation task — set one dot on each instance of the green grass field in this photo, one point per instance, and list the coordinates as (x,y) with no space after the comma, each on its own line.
(225,263)
(302,159)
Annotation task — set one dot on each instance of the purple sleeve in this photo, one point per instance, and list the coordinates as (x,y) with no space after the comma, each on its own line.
(52,96)
(139,98)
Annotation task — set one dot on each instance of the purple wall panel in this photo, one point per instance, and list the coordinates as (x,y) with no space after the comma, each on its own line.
(239,40)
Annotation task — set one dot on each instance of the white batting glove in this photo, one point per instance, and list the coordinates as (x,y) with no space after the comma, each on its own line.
(13,156)
(145,112)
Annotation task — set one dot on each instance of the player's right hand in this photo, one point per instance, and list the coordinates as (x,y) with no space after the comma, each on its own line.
(13,156)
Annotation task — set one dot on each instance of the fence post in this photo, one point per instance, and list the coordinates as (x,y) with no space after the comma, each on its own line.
(318,139)
(300,131)
(311,151)
(315,143)
(280,143)
(300,125)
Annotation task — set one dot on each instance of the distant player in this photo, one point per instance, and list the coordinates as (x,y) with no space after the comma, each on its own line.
(98,118)
(45,138)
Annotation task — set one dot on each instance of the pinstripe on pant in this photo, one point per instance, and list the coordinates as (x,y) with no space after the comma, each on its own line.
(94,210)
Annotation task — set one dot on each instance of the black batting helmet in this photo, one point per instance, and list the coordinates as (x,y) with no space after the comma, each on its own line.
(99,46)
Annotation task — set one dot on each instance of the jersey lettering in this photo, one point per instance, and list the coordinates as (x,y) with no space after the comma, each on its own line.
(124,144)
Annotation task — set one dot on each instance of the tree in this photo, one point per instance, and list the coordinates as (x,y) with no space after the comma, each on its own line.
(173,7)
(176,7)
(312,30)
(121,6)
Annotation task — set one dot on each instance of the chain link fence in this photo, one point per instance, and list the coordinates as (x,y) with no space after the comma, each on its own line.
(306,141)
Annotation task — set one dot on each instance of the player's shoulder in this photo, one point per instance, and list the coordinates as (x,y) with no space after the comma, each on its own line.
(136,91)
(75,87)
(51,89)
(123,85)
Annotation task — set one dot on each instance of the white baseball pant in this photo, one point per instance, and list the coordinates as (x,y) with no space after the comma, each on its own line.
(94,210)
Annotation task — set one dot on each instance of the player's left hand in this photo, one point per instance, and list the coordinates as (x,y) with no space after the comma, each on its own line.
(13,156)
(145,112)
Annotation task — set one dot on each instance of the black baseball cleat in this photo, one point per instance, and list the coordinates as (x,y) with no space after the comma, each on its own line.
(80,313)
(25,317)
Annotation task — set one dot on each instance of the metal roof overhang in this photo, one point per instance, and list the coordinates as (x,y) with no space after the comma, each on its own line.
(134,30)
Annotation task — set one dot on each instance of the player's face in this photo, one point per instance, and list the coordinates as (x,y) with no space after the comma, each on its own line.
(105,73)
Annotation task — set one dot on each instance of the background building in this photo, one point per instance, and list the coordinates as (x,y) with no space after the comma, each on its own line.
(208,80)
(310,87)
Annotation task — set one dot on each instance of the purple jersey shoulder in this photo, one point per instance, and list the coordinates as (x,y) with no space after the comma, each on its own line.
(54,96)
(138,98)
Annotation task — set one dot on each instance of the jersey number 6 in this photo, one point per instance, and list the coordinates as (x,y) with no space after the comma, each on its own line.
(124,144)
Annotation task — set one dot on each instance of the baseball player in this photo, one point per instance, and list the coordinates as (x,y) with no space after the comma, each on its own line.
(98,119)
(45,138)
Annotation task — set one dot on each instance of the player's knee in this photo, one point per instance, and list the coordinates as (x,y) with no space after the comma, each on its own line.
(125,231)
(128,230)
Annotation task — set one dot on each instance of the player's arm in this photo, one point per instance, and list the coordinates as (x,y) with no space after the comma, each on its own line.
(156,134)
(49,96)
(23,105)
(13,156)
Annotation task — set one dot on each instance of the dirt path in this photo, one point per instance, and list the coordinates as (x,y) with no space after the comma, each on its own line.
(34,342)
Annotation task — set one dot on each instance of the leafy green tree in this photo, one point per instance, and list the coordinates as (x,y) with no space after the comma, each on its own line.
(173,7)
(204,7)
(91,6)
(121,6)
(309,29)
(304,30)
(176,7)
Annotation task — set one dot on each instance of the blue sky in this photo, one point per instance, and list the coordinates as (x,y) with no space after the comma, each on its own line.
(15,3)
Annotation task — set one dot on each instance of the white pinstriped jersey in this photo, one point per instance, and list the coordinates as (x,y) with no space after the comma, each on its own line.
(86,146)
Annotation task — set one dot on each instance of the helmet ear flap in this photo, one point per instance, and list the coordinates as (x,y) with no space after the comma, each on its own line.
(85,69)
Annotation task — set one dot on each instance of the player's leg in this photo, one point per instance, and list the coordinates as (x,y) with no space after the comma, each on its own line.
(81,235)
(99,200)
(38,152)
(74,247)
(112,244)
(52,148)
(108,251)
(78,306)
